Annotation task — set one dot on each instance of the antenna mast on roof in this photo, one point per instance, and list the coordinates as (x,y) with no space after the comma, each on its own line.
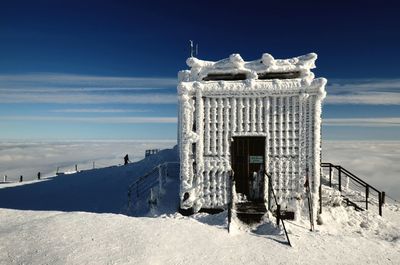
(191,48)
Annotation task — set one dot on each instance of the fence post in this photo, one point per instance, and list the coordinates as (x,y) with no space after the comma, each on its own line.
(380,203)
(278,214)
(366,196)
(340,178)
(383,197)
(320,199)
(330,175)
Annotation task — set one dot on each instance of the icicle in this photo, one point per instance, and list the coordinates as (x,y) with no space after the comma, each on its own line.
(287,121)
(220,127)
(207,126)
(253,114)
(214,126)
(207,184)
(226,129)
(294,126)
(294,145)
(259,114)
(240,115)
(246,114)
(233,115)
(214,184)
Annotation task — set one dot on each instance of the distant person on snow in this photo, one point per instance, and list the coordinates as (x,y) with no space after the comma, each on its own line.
(126,159)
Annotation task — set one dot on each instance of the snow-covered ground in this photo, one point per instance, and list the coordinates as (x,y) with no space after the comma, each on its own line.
(78,219)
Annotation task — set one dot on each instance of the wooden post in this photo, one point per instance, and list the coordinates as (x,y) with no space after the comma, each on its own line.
(278,214)
(330,175)
(383,197)
(366,196)
(380,203)
(340,178)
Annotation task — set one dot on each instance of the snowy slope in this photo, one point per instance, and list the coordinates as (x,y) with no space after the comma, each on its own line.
(73,219)
(35,237)
(101,190)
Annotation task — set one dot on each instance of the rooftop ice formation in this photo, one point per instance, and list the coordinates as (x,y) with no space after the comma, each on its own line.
(267,67)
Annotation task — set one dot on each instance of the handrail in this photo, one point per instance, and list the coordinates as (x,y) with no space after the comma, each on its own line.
(142,186)
(278,213)
(365,185)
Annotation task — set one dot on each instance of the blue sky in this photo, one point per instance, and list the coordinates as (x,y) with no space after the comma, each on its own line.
(107,69)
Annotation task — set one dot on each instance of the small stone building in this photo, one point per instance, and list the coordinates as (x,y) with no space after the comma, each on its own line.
(246,117)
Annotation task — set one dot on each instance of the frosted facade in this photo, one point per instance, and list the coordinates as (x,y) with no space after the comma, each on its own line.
(284,111)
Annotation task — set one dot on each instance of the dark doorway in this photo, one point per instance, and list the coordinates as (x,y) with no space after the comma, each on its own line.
(248,166)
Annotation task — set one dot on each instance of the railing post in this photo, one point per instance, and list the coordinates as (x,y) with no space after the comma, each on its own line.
(340,178)
(380,203)
(278,214)
(330,175)
(366,196)
(320,198)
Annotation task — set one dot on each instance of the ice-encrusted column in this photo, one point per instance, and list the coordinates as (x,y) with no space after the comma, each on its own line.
(259,115)
(253,115)
(274,140)
(220,127)
(200,147)
(214,126)
(240,114)
(246,118)
(207,126)
(317,142)
(233,115)
(267,147)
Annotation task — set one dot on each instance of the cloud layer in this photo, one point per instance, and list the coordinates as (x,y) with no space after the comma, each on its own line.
(27,157)
(84,89)
(376,162)
(363,91)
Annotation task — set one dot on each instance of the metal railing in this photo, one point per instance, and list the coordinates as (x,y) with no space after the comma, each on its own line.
(356,192)
(153,181)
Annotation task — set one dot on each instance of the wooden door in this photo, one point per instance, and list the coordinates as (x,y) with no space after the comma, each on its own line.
(248,165)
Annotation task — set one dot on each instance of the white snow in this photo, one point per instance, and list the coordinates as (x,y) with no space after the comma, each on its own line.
(90,230)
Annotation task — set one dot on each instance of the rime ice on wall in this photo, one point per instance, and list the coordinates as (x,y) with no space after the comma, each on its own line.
(285,111)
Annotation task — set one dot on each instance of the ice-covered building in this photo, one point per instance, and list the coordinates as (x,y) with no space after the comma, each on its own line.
(247,117)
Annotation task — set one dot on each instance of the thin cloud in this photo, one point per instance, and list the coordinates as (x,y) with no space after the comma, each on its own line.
(101,110)
(85,89)
(75,80)
(107,120)
(364,122)
(363,91)
(87,98)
